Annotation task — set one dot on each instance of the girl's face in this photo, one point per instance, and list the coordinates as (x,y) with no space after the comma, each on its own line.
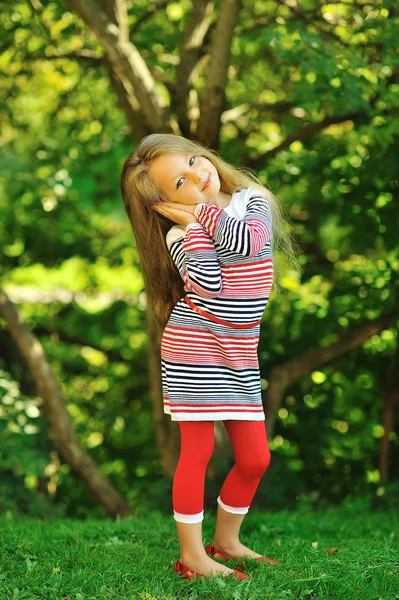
(183,176)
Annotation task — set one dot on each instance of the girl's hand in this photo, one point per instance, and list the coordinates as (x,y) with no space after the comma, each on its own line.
(182,214)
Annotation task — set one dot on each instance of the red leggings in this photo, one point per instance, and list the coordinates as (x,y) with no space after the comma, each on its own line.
(252,457)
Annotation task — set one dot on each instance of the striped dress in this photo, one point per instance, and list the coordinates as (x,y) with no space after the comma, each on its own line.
(210,368)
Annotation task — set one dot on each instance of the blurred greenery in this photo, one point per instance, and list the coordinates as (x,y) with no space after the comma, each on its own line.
(320,84)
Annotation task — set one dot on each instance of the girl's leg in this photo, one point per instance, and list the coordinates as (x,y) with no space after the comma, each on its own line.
(252,456)
(196,448)
(197,443)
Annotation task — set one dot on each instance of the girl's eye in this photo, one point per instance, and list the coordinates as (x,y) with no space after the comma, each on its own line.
(177,185)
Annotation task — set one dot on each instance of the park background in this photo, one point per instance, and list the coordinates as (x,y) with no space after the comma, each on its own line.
(304,94)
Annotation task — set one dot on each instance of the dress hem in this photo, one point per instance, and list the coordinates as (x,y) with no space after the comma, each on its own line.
(236,416)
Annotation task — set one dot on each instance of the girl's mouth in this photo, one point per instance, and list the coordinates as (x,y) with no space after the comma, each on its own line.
(207,182)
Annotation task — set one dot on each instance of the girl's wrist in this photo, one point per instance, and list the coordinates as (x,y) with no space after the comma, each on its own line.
(191,223)
(198,208)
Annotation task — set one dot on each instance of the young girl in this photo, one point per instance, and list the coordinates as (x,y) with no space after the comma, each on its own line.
(204,232)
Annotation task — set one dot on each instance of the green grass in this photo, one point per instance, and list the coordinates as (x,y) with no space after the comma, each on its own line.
(133,558)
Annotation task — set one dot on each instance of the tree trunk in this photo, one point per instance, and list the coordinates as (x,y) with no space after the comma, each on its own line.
(61,430)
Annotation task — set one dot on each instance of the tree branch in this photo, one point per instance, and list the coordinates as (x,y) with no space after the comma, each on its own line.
(128,64)
(304,134)
(192,39)
(116,13)
(62,431)
(292,371)
(213,96)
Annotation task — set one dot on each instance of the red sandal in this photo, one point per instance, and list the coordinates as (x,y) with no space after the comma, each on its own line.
(215,553)
(187,573)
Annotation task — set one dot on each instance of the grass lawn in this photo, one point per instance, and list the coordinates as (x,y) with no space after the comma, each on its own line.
(336,554)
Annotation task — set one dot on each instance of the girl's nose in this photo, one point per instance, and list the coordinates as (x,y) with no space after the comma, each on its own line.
(196,177)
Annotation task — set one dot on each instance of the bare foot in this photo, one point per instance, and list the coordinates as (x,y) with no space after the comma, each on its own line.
(238,550)
(206,566)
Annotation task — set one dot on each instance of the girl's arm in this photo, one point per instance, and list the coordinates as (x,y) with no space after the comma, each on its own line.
(247,237)
(195,257)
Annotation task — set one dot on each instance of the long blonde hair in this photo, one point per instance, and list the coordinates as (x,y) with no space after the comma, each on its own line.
(162,280)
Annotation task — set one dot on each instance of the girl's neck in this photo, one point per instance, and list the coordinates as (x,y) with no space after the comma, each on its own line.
(222,200)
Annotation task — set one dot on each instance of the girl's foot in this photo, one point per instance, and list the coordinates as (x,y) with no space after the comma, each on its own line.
(206,566)
(237,550)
